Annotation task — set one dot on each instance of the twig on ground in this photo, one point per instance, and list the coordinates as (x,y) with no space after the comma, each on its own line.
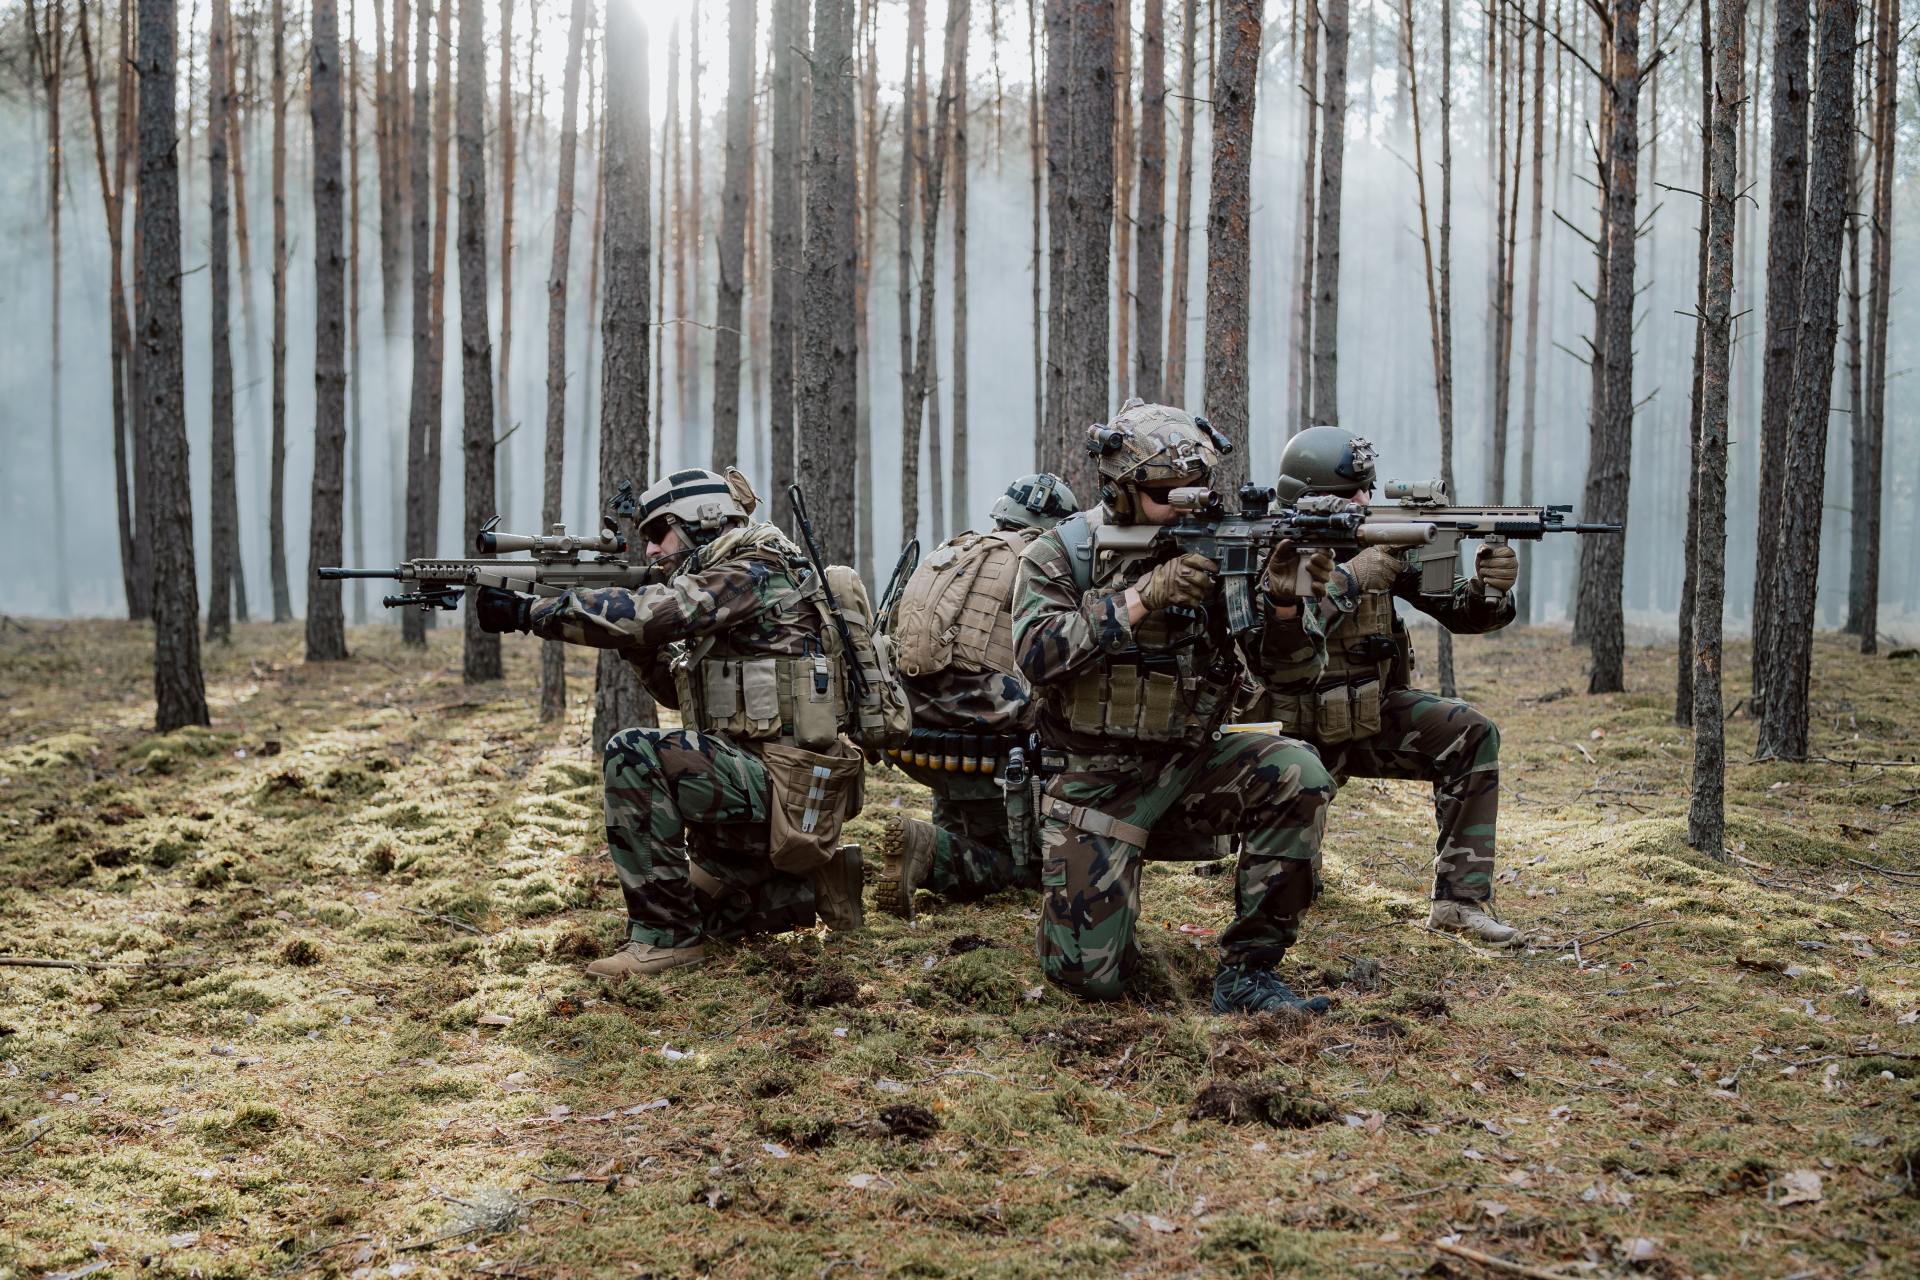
(1146,1150)
(1577,943)
(36,962)
(1885,871)
(33,1137)
(1498,1264)
(1456,939)
(428,915)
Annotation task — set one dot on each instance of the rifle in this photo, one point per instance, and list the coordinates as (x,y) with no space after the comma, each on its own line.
(554,568)
(1242,543)
(903,569)
(856,677)
(1492,525)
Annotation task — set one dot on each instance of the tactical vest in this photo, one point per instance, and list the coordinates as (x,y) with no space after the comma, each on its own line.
(1369,655)
(956,610)
(1172,687)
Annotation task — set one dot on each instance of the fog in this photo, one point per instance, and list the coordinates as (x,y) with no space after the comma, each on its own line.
(1386,372)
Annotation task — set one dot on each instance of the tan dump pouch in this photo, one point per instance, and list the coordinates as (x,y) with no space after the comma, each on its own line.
(812,794)
(813,691)
(1366,709)
(1333,715)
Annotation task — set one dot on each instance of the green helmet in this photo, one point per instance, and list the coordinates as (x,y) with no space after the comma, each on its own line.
(1325,460)
(1152,445)
(1035,502)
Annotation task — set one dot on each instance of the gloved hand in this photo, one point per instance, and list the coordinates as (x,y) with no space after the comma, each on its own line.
(499,610)
(1186,580)
(1498,568)
(1375,568)
(1286,566)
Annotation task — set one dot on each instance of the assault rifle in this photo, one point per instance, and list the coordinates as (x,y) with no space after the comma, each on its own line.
(856,676)
(555,566)
(1492,525)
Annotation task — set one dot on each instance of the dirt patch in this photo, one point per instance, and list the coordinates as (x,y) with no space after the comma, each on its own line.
(1259,1102)
(824,988)
(967,942)
(909,1120)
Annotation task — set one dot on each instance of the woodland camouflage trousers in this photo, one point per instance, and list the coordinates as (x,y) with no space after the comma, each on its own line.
(671,789)
(1427,738)
(1271,791)
(973,852)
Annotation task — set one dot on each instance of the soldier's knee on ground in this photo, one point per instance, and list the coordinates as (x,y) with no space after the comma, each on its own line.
(1105,983)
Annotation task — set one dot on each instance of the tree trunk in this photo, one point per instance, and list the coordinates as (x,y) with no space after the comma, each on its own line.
(1789,661)
(503,404)
(1603,560)
(1326,244)
(733,235)
(421,403)
(179,692)
(1080,224)
(1683,698)
(1173,387)
(48,50)
(1706,815)
(665,237)
(1299,370)
(961,502)
(911,105)
(619,701)
(391,99)
(553,662)
(872,125)
(326,621)
(783,250)
(1042,449)
(1150,222)
(1786,232)
(1530,391)
(590,475)
(932,169)
(277,509)
(1235,81)
(1863,587)
(827,357)
(1443,377)
(694,229)
(237,135)
(442,217)
(221,500)
(1123,161)
(481,658)
(356,475)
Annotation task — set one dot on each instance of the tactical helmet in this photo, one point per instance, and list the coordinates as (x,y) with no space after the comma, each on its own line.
(1151,445)
(698,502)
(1035,502)
(1325,460)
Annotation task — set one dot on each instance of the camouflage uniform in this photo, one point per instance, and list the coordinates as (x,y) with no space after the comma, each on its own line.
(687,812)
(1270,790)
(973,848)
(1422,736)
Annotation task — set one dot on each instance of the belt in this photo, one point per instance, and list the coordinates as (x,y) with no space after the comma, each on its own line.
(1094,822)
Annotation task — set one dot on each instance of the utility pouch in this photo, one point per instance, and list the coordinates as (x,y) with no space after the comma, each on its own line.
(816,701)
(1366,709)
(720,690)
(1333,715)
(1401,669)
(760,690)
(812,792)
(1086,700)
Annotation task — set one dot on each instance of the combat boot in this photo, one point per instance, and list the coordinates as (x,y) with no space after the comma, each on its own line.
(908,845)
(639,959)
(1472,919)
(1252,989)
(836,890)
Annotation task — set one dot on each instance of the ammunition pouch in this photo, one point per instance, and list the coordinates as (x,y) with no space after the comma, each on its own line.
(949,751)
(763,699)
(1144,701)
(1333,713)
(813,793)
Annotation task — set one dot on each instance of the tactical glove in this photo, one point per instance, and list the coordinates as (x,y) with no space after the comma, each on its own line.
(499,610)
(1186,580)
(1292,573)
(1498,568)
(1374,569)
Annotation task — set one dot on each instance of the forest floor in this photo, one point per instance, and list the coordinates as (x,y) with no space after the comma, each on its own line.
(333,1019)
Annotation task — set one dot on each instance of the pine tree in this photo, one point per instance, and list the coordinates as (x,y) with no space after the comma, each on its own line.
(221,500)
(326,621)
(733,235)
(482,650)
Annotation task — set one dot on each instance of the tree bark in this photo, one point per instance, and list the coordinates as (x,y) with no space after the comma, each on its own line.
(553,662)
(1789,661)
(619,702)
(590,475)
(326,621)
(1326,245)
(872,126)
(783,235)
(1689,587)
(1530,391)
(422,400)
(503,402)
(694,229)
(1042,449)
(1173,387)
(1706,813)
(1299,368)
(391,98)
(932,169)
(828,360)
(961,502)
(1150,221)
(277,508)
(1443,376)
(1235,81)
(48,49)
(733,235)
(221,500)
(1603,560)
(1123,162)
(179,691)
(911,105)
(1863,587)
(1080,228)
(481,655)
(356,474)
(442,217)
(1786,232)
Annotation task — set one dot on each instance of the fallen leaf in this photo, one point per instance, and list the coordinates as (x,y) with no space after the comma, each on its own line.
(1801,1186)
(1493,1209)
(494,1020)
(656,1105)
(862,1181)
(1640,1249)
(187,1239)
(775,1150)
(1160,1225)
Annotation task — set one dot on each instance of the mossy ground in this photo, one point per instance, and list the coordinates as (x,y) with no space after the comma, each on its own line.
(351,1034)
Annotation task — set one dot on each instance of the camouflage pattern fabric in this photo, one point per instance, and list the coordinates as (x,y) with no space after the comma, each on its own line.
(1427,738)
(973,851)
(668,789)
(1271,790)
(982,702)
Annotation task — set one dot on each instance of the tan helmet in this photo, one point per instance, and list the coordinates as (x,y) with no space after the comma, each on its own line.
(1325,460)
(1034,502)
(1151,445)
(699,503)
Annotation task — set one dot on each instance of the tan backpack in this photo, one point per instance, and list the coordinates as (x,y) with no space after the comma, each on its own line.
(955,612)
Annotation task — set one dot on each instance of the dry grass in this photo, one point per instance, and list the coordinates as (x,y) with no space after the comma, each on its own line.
(345,1030)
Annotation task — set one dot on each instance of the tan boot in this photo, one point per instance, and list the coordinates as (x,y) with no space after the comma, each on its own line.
(638,959)
(836,890)
(1471,919)
(908,845)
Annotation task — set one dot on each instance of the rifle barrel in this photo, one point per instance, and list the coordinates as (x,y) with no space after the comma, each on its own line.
(330,573)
